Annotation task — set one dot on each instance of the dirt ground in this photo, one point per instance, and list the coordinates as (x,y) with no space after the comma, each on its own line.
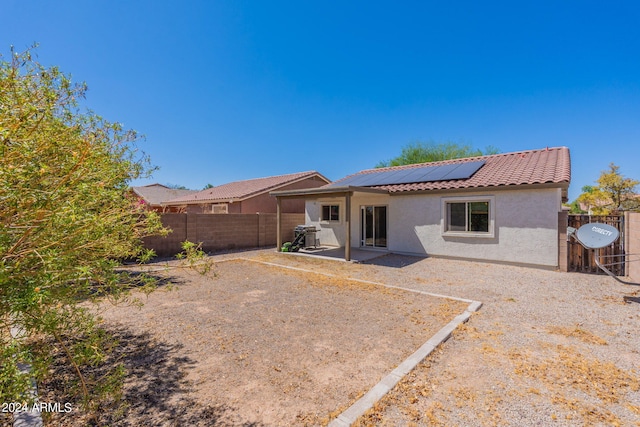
(546,349)
(276,346)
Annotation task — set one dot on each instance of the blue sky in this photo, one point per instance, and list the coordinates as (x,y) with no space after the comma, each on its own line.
(230,90)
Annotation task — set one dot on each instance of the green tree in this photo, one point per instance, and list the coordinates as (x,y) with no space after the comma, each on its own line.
(614,191)
(177,187)
(423,152)
(66,222)
(593,199)
(620,191)
(574,207)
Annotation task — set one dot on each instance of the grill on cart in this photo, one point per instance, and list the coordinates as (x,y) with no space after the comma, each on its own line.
(307,235)
(304,237)
(304,229)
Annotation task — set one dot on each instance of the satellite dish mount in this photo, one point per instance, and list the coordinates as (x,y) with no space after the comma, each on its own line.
(596,236)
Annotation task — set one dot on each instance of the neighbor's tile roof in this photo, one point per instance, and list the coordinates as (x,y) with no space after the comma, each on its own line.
(240,190)
(545,166)
(155,194)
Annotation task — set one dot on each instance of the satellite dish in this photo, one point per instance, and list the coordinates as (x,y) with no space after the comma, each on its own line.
(597,235)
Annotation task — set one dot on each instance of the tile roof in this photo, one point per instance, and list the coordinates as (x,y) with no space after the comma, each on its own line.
(155,194)
(240,190)
(544,166)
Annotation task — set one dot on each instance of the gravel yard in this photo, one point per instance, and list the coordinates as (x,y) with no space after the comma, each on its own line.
(284,348)
(281,347)
(547,348)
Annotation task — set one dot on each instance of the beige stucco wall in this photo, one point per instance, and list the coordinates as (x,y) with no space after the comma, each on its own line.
(525,225)
(330,233)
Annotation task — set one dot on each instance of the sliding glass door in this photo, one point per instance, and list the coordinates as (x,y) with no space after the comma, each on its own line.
(373,226)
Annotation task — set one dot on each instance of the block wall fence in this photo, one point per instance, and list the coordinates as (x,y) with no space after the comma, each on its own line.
(222,231)
(239,231)
(632,233)
(563,246)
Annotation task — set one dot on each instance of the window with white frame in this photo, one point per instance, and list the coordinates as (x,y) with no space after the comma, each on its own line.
(330,212)
(468,216)
(221,208)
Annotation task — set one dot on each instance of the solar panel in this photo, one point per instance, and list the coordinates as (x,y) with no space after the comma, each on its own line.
(419,174)
(463,170)
(357,181)
(413,175)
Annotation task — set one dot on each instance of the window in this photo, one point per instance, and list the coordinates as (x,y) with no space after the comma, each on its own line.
(468,216)
(330,212)
(220,208)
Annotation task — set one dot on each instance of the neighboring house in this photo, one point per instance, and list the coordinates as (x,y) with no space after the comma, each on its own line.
(249,196)
(588,208)
(153,195)
(501,207)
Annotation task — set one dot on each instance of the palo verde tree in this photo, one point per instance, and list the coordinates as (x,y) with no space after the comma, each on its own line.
(613,192)
(424,152)
(66,222)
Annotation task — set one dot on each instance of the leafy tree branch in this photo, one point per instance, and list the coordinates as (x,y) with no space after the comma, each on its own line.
(66,219)
(613,193)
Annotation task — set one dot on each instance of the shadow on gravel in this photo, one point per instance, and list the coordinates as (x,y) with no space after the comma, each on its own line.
(160,281)
(132,281)
(629,300)
(165,258)
(155,391)
(394,260)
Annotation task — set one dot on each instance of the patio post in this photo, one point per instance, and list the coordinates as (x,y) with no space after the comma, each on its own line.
(278,223)
(347,247)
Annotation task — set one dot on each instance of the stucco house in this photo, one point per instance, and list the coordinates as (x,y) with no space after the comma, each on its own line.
(247,196)
(501,208)
(153,195)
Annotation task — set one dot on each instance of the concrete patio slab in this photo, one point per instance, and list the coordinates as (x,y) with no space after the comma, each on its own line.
(337,253)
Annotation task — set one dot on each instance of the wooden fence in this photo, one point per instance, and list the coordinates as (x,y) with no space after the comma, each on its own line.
(582,260)
(219,232)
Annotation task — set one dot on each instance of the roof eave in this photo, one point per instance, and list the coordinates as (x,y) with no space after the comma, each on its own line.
(324,192)
(275,187)
(198,202)
(564,185)
(246,196)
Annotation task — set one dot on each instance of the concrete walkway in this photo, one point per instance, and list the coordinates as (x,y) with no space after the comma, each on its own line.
(335,253)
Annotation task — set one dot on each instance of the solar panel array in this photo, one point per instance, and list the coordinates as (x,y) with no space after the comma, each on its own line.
(413,175)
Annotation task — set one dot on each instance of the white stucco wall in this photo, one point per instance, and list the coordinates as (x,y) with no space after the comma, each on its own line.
(330,233)
(525,225)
